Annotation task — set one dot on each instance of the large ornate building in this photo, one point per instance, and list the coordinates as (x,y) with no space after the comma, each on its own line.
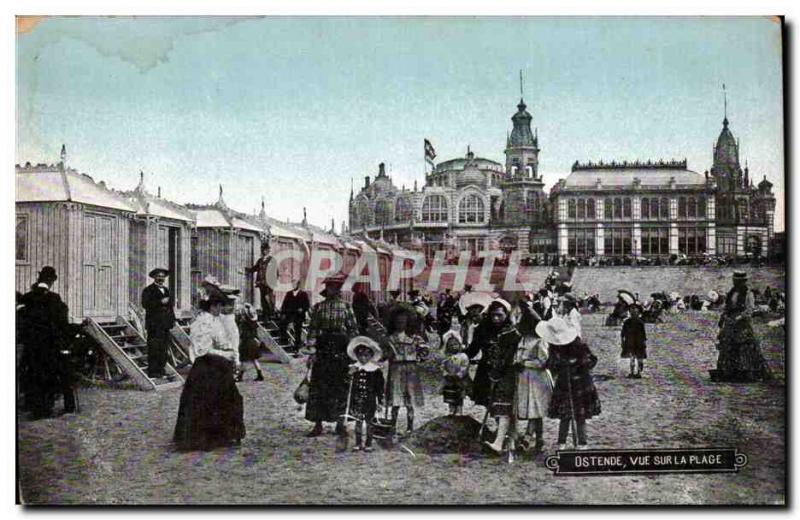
(468,203)
(618,209)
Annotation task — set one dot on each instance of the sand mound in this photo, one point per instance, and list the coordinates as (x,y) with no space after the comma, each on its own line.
(448,434)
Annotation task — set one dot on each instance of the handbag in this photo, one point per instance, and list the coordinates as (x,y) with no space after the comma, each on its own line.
(303,389)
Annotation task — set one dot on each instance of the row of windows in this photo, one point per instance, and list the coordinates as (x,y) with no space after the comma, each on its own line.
(471,209)
(619,241)
(652,208)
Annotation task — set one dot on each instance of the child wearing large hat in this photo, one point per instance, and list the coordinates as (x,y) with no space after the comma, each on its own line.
(575,397)
(366,387)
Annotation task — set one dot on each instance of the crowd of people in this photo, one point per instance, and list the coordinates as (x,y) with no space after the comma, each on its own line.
(525,362)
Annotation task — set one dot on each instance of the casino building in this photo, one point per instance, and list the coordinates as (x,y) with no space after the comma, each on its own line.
(644,209)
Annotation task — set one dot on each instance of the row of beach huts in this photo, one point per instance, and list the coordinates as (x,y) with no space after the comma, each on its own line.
(103,242)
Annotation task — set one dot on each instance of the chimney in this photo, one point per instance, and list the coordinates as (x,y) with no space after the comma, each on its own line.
(381,170)
(366,182)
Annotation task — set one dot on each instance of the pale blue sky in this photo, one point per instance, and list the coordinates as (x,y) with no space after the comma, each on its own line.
(292,108)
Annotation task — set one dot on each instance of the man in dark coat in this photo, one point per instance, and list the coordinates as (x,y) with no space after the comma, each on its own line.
(265,292)
(43,334)
(445,312)
(296,305)
(159,319)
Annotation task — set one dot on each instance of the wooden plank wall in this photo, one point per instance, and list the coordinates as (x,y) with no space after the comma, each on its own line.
(213,256)
(48,240)
(137,254)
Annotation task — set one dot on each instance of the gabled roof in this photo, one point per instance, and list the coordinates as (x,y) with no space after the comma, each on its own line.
(52,184)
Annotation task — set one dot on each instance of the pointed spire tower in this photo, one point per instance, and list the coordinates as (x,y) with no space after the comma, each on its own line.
(522,147)
(263,213)
(726,168)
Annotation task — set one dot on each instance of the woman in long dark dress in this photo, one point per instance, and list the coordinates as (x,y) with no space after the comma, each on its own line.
(740,357)
(211,413)
(496,377)
(574,395)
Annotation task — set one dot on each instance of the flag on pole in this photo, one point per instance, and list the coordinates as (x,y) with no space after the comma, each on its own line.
(430,153)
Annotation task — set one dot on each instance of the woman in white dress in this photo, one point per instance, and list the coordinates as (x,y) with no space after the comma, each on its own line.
(211,413)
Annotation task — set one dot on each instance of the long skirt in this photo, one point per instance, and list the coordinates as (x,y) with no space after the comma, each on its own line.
(740,358)
(211,413)
(327,391)
(534,391)
(404,387)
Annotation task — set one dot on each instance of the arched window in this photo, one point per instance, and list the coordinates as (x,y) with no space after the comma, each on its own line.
(681,207)
(470,210)
(434,209)
(701,207)
(664,208)
(617,208)
(571,208)
(692,213)
(581,209)
(645,208)
(591,211)
(626,208)
(402,210)
(654,208)
(607,208)
(383,212)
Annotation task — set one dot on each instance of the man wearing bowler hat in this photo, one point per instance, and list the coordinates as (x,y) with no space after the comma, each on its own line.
(44,370)
(159,319)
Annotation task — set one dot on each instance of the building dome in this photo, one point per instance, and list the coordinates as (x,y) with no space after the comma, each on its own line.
(471,175)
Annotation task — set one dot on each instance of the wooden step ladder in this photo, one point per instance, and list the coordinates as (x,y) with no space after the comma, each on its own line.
(270,336)
(181,343)
(128,349)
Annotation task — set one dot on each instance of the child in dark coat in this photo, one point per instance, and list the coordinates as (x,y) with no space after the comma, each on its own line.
(366,387)
(575,397)
(634,341)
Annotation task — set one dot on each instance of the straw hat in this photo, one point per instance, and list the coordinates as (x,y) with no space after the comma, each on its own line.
(713,295)
(740,275)
(364,341)
(556,331)
(626,296)
(502,303)
(158,270)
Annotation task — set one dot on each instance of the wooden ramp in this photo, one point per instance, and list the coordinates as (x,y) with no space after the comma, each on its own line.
(128,348)
(269,335)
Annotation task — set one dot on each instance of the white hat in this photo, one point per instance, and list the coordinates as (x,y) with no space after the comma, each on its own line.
(626,296)
(556,331)
(713,295)
(451,334)
(364,341)
(474,298)
(503,303)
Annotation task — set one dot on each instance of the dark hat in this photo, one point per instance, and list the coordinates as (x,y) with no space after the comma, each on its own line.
(158,270)
(636,305)
(570,297)
(336,280)
(413,293)
(48,273)
(214,295)
(395,293)
(740,275)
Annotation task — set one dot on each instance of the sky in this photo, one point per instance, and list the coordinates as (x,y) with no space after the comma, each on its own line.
(291,109)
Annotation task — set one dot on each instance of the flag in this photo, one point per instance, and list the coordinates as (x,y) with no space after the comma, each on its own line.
(430,153)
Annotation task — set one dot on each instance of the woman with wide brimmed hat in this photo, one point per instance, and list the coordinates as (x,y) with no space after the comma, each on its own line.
(366,388)
(332,325)
(495,377)
(406,348)
(575,397)
(211,412)
(740,358)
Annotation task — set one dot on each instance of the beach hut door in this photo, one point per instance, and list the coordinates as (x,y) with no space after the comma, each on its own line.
(99,265)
